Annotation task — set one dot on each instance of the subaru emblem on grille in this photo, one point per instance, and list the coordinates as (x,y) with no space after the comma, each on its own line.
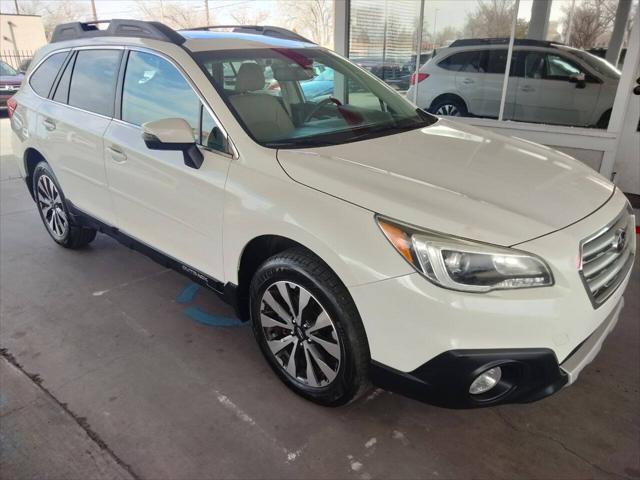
(620,240)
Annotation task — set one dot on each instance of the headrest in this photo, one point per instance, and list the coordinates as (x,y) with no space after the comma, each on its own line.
(250,77)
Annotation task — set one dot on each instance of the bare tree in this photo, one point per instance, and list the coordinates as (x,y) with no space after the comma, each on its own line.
(493,18)
(591,19)
(313,18)
(54,12)
(245,16)
(175,15)
(445,36)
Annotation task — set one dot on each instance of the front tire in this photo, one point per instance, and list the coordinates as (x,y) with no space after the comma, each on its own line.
(54,213)
(309,329)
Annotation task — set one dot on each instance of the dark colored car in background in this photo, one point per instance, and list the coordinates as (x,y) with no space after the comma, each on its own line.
(10,80)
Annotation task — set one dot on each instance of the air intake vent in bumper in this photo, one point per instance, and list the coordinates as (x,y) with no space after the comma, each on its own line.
(607,256)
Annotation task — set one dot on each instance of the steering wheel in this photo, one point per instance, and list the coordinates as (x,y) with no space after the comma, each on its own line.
(321,104)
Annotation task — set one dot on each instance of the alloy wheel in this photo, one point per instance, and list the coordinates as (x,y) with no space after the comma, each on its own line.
(50,204)
(300,334)
(448,109)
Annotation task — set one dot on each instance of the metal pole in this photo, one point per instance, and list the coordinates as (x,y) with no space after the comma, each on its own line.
(435,22)
(505,82)
(206,9)
(93,8)
(15,2)
(418,52)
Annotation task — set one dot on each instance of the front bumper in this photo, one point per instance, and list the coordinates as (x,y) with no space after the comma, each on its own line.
(415,329)
(528,374)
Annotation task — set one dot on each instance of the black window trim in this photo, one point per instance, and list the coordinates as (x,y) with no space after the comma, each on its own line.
(69,63)
(231,152)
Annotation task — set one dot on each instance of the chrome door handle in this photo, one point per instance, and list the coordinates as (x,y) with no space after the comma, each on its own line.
(468,81)
(528,88)
(117,155)
(49,124)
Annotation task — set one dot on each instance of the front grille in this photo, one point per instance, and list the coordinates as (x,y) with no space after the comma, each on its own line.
(607,256)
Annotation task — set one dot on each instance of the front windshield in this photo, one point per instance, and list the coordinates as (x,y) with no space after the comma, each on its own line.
(600,65)
(7,70)
(294,98)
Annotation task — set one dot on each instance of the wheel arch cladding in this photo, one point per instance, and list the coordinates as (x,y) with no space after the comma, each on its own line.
(31,158)
(254,254)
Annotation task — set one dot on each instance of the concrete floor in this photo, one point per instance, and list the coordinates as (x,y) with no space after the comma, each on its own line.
(166,397)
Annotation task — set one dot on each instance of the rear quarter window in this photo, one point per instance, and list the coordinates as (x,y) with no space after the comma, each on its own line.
(42,79)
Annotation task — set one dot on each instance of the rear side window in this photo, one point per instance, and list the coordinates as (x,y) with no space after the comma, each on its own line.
(463,62)
(93,83)
(42,79)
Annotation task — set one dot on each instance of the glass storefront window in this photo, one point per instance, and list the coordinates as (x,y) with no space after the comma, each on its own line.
(563,66)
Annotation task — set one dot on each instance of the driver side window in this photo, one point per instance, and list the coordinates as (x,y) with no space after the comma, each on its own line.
(559,68)
(154,89)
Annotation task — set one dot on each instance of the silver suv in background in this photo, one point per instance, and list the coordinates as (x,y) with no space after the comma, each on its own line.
(549,83)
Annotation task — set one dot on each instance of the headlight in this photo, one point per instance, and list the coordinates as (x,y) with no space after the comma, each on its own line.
(464,265)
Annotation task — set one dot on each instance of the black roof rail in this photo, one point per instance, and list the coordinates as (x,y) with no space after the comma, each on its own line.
(267,30)
(467,42)
(116,28)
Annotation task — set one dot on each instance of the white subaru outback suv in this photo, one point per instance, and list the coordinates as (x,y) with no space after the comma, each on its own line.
(548,82)
(363,238)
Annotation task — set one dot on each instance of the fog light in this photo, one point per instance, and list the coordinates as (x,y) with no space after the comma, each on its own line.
(485,381)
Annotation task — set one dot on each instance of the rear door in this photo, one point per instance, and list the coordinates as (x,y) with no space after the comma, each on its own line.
(469,77)
(73,123)
(158,199)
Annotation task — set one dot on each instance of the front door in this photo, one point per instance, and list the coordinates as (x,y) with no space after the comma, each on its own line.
(546,94)
(158,199)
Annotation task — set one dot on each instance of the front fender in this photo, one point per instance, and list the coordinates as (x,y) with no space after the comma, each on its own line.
(344,235)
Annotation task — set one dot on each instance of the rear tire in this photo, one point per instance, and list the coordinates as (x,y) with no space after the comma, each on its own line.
(54,213)
(603,122)
(449,106)
(309,329)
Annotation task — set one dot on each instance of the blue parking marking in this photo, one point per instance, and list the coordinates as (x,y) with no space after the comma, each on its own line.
(203,318)
(188,295)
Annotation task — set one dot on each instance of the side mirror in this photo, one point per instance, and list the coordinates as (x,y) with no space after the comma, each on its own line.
(173,134)
(579,80)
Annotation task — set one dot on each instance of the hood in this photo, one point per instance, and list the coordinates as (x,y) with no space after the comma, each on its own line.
(456,179)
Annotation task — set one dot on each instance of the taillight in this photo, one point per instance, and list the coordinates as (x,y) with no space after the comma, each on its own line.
(12,104)
(421,77)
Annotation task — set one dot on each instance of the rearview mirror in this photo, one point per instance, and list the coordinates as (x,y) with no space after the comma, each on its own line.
(173,134)
(579,80)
